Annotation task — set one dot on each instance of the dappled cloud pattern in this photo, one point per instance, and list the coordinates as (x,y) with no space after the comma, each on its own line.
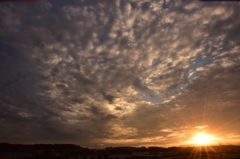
(120,72)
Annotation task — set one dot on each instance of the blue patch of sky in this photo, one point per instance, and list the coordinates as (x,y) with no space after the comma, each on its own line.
(151,97)
(67,113)
(196,63)
(176,90)
(182,86)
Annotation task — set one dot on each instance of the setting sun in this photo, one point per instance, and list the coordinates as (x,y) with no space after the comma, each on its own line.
(202,139)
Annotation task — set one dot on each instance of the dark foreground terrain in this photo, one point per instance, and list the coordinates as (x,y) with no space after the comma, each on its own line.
(68,151)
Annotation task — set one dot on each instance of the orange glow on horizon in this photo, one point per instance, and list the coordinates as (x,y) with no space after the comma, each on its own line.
(202,139)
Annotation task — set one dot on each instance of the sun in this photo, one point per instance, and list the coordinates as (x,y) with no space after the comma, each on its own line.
(202,139)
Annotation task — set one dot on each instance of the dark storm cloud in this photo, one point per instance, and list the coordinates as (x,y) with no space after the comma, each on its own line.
(93,72)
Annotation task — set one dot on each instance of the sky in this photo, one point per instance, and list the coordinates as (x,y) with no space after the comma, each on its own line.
(100,73)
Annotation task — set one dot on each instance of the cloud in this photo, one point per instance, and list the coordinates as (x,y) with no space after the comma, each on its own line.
(91,73)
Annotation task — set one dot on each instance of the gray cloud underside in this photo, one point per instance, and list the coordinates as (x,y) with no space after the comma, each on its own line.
(88,72)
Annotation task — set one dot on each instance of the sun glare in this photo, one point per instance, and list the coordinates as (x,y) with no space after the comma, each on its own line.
(202,139)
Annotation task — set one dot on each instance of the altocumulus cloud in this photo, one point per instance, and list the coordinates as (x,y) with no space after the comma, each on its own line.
(120,72)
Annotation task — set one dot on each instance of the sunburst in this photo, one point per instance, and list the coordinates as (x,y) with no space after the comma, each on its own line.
(202,139)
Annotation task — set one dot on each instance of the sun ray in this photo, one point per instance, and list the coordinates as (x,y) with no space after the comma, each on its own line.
(202,139)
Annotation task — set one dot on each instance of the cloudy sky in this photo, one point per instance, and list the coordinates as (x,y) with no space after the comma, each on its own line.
(101,73)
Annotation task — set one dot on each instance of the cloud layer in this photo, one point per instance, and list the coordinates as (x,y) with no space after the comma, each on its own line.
(121,72)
